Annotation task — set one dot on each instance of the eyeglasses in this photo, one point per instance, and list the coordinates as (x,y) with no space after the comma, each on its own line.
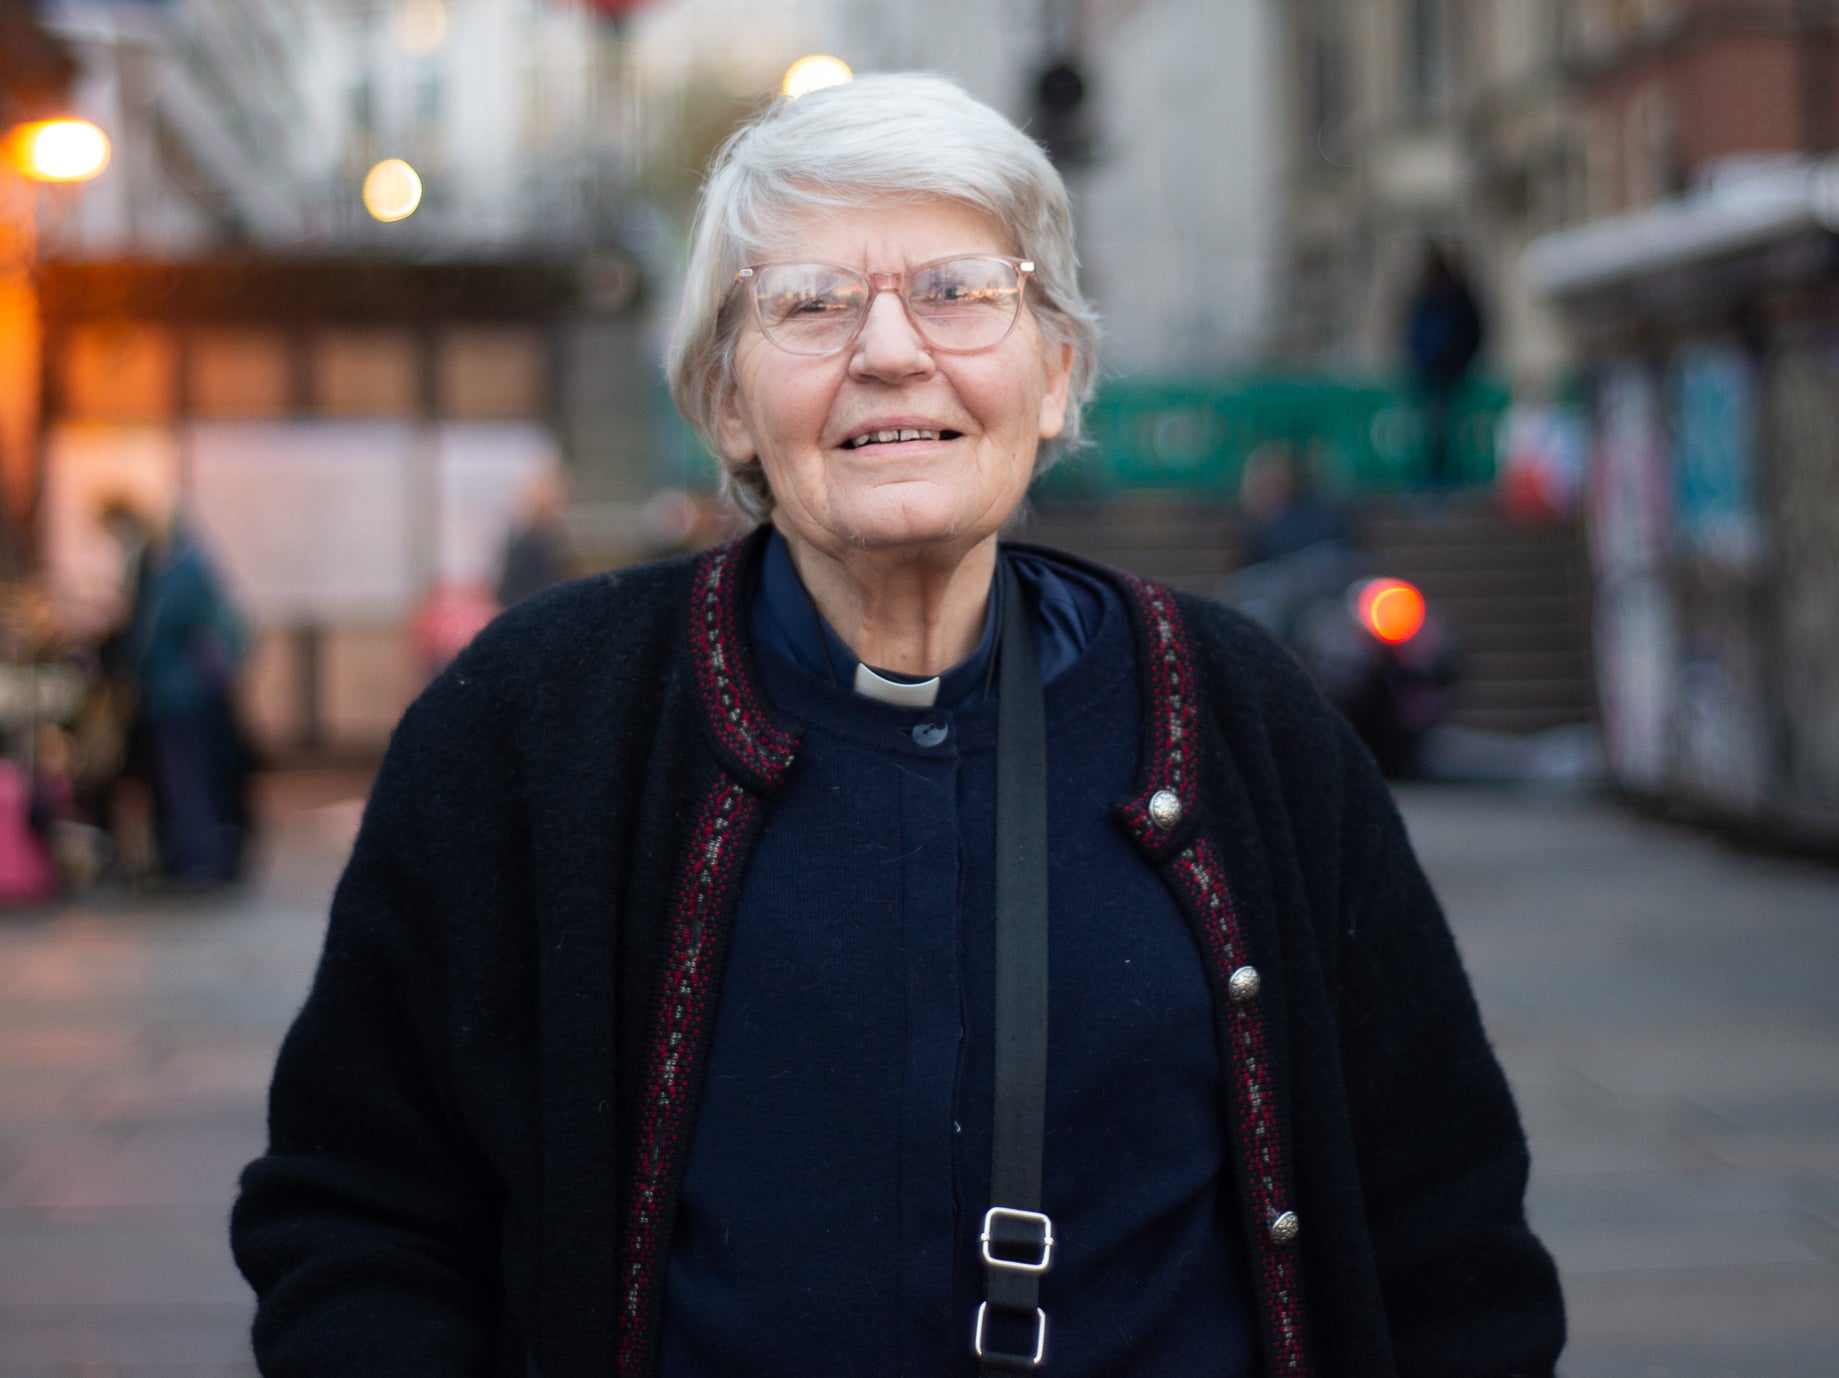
(958,305)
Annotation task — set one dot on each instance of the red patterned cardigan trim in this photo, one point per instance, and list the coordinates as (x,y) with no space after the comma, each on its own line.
(1194,869)
(756,755)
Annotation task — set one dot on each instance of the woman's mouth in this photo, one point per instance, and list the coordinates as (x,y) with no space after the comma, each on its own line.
(896,437)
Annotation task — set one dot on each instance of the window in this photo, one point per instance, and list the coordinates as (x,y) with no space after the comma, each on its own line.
(1327,79)
(1428,59)
(363,107)
(427,100)
(1555,20)
(1653,162)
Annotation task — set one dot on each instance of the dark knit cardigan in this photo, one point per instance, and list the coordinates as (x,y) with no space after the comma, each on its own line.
(479,1121)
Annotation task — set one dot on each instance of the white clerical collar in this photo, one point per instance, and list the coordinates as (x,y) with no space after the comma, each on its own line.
(874,686)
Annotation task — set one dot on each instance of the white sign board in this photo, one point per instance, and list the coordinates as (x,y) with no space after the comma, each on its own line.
(312,520)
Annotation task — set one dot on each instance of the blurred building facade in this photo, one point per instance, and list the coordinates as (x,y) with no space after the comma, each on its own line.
(349,410)
(509,111)
(1181,205)
(245,123)
(1645,193)
(1704,308)
(1483,124)
(217,142)
(1412,120)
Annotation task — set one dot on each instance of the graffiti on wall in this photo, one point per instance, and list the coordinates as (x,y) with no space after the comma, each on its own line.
(1721,721)
(1722,716)
(1711,387)
(1629,505)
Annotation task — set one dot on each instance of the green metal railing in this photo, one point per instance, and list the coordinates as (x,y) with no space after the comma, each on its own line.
(1363,435)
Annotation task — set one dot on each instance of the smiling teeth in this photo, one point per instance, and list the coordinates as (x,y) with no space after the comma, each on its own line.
(887,437)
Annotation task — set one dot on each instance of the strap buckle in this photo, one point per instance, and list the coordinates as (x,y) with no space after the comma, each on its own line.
(1042,1244)
(1019,1360)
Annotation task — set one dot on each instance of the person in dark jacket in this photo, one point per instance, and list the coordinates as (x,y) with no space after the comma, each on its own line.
(536,552)
(1443,336)
(184,644)
(657,1029)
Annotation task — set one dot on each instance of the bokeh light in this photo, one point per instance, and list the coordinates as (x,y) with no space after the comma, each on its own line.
(1391,609)
(392,190)
(60,150)
(814,73)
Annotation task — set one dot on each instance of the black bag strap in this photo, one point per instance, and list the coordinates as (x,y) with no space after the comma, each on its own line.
(1017,1242)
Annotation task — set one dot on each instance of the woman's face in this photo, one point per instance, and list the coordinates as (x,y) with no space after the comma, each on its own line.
(795,414)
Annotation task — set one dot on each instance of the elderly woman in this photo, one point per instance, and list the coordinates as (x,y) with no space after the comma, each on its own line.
(871,949)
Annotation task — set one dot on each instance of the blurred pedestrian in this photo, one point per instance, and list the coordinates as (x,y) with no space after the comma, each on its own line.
(1284,506)
(866,947)
(1444,333)
(185,641)
(536,554)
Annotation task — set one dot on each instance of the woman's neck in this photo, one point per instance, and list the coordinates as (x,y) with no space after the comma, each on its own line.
(914,615)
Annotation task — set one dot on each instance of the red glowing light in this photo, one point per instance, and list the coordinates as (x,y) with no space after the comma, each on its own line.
(1391,609)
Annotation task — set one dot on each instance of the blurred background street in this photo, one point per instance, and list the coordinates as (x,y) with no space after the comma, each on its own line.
(1487,350)
(1668,1012)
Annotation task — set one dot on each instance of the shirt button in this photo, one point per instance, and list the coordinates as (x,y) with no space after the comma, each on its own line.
(1244,984)
(1285,1228)
(931,733)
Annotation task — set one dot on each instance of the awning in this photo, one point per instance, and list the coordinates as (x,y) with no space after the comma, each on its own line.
(1736,211)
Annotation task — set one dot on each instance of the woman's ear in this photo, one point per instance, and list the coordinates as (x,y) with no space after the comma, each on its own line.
(734,432)
(1056,384)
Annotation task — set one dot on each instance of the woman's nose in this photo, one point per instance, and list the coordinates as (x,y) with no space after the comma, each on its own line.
(888,347)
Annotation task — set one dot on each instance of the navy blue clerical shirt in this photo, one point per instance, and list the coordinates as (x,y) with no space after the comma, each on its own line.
(839,1168)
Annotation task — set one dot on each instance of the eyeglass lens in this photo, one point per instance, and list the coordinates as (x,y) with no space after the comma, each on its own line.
(955,304)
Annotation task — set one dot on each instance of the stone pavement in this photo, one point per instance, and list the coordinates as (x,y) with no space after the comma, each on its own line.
(136,1039)
(1667,1008)
(1668,1011)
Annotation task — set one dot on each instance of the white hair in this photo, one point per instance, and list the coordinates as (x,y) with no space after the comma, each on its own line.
(885,138)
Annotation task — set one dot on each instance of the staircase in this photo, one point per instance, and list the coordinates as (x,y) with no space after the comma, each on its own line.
(1516,598)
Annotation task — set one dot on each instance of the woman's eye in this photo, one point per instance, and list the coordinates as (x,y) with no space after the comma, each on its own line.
(806,306)
(958,294)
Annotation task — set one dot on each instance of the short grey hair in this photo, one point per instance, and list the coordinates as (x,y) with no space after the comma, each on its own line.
(885,138)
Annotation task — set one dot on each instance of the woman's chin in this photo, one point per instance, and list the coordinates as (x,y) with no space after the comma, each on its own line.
(907,520)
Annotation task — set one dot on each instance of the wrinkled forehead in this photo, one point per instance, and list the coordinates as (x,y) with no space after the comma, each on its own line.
(873,231)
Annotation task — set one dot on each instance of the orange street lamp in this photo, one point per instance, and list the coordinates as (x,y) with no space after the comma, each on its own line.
(814,73)
(63,150)
(392,190)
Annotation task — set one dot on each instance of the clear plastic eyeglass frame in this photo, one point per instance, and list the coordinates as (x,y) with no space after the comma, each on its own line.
(869,286)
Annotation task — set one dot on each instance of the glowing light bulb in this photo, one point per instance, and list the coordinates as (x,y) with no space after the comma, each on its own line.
(392,190)
(59,150)
(814,73)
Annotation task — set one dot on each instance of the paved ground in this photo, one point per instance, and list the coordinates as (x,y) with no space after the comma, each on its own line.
(1668,1009)
(136,1039)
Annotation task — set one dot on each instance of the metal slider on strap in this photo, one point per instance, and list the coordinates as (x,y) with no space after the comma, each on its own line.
(1042,1244)
(1019,1360)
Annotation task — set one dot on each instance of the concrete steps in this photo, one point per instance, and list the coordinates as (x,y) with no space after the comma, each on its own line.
(1515,598)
